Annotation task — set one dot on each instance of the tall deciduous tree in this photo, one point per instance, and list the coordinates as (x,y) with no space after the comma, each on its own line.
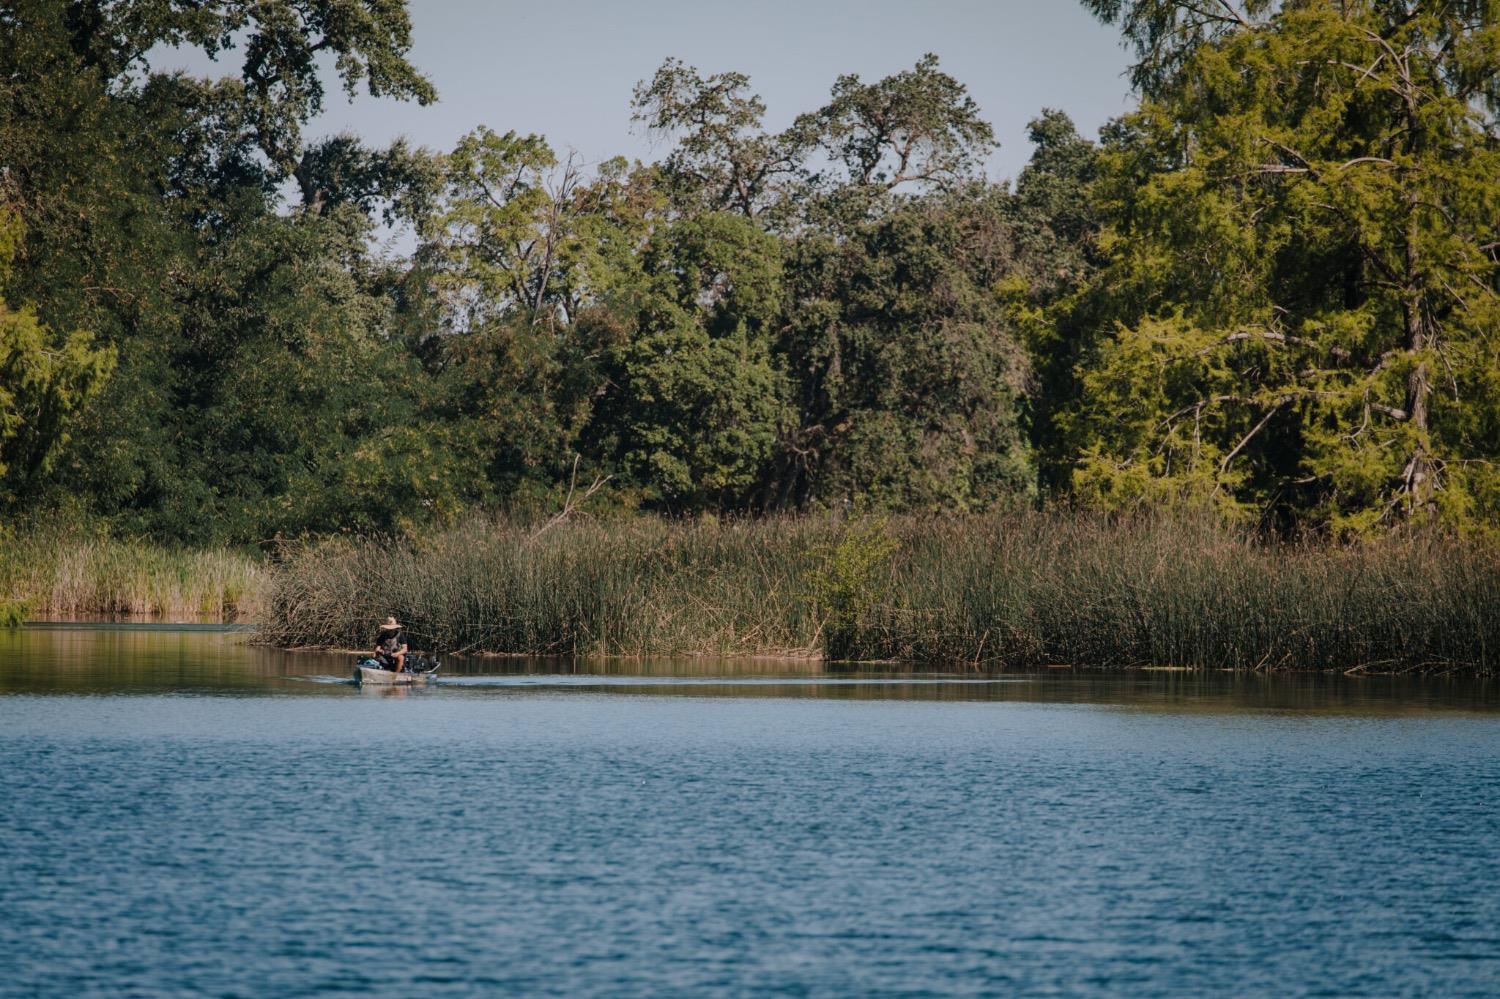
(723,159)
(907,370)
(916,127)
(153,218)
(903,369)
(691,403)
(528,257)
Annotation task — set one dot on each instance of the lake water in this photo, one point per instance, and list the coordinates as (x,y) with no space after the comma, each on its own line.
(186,815)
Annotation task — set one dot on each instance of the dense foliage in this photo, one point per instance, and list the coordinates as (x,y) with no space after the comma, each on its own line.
(1302,265)
(1270,290)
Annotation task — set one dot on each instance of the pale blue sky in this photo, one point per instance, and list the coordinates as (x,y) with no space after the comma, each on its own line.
(565,68)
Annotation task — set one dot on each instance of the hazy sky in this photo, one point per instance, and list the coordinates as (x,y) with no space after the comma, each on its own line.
(565,68)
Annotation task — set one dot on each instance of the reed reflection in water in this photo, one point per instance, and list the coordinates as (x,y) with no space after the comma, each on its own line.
(106,659)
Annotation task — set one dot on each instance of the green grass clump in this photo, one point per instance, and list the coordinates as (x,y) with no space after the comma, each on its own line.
(1016,591)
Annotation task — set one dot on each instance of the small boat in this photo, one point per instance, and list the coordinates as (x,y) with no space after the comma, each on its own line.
(419,669)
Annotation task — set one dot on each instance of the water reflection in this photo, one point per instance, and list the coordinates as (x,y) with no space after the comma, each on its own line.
(128,660)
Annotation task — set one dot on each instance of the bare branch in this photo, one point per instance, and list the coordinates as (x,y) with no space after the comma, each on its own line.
(1224,465)
(569,506)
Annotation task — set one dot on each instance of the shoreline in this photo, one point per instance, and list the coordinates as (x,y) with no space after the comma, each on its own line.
(1013,592)
(813,658)
(139,623)
(1017,592)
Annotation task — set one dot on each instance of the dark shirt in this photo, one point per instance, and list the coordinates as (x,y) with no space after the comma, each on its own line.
(390,642)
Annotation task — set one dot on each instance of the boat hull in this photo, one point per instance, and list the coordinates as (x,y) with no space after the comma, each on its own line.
(385,677)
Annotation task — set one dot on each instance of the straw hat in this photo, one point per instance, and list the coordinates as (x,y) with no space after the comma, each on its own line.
(390,622)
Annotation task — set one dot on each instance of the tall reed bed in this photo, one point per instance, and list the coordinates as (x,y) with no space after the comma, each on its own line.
(1043,590)
(63,576)
(1015,591)
(633,587)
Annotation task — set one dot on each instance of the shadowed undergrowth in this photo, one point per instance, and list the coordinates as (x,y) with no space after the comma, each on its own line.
(1019,591)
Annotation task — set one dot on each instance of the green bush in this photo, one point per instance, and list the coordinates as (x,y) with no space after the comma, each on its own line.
(13,613)
(850,580)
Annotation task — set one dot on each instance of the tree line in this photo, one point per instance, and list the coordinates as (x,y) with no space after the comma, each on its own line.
(1270,289)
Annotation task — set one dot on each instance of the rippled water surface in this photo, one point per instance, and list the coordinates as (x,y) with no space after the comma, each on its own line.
(185,815)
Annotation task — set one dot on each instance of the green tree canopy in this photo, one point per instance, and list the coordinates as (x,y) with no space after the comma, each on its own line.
(45,380)
(154,219)
(907,370)
(1302,270)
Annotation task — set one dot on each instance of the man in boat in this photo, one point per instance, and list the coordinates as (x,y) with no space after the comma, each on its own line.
(390,645)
